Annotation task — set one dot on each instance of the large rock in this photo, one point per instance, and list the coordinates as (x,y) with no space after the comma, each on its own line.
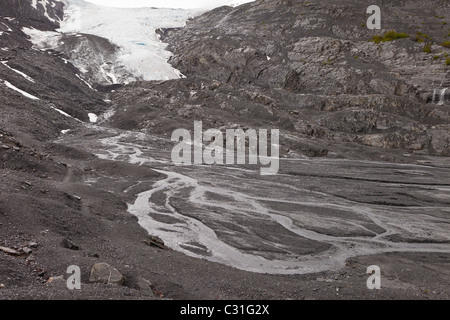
(105,274)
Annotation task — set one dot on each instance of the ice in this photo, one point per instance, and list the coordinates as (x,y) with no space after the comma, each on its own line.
(141,53)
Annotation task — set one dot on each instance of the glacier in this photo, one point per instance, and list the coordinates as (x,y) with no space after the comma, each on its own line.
(138,53)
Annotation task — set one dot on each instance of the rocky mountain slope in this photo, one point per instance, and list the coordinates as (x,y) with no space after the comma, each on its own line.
(308,68)
(45,14)
(311,69)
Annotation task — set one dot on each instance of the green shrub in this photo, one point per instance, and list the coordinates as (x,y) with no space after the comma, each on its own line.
(392,35)
(427,48)
(446,44)
(389,36)
(377,39)
(421,37)
(447,62)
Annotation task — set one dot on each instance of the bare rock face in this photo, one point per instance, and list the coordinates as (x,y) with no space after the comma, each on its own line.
(327,43)
(446,82)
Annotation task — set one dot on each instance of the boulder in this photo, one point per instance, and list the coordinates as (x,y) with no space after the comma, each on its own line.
(105,274)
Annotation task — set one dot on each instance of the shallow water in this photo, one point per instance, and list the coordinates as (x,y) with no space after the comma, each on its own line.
(311,217)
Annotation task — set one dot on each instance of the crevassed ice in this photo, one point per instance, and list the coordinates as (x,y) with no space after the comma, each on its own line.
(141,53)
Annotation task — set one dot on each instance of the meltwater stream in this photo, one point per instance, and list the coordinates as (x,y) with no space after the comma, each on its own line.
(310,218)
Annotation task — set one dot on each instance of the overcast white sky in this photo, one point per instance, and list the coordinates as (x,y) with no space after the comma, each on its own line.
(188,4)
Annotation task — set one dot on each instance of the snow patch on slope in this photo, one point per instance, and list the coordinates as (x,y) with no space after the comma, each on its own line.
(93,117)
(5,63)
(25,94)
(44,4)
(42,40)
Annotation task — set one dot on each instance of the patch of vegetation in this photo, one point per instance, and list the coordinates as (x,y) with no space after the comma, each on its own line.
(389,36)
(447,62)
(436,57)
(421,37)
(446,44)
(328,62)
(427,48)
